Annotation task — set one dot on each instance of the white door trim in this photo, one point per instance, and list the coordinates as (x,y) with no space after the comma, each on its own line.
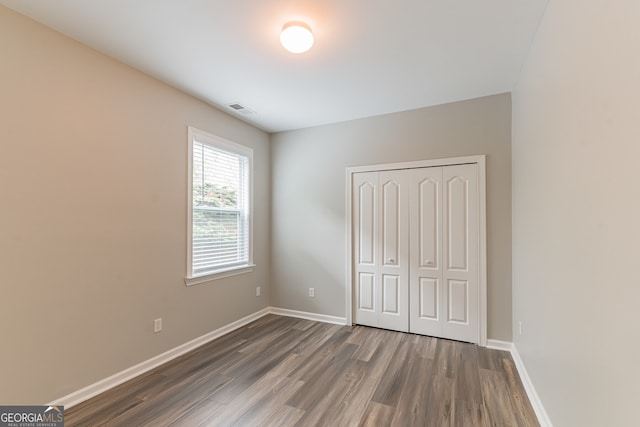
(480,160)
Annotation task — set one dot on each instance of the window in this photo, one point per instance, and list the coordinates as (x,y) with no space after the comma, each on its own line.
(219,231)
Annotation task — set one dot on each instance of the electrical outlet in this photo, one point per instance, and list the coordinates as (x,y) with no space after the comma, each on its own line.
(312,292)
(157,325)
(258,291)
(520,329)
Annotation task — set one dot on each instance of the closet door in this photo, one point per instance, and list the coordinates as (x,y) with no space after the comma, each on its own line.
(460,221)
(381,250)
(425,294)
(444,252)
(394,251)
(416,250)
(365,247)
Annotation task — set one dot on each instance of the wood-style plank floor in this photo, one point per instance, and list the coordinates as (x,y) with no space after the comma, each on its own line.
(282,371)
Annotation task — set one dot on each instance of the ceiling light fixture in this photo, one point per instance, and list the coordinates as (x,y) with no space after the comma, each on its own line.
(296,37)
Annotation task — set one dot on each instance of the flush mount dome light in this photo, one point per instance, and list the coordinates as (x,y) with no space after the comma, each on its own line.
(296,37)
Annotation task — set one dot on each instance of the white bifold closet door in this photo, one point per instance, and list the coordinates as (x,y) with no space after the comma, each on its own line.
(416,250)
(443,284)
(381,230)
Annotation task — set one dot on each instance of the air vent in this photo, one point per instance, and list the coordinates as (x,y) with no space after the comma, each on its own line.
(239,108)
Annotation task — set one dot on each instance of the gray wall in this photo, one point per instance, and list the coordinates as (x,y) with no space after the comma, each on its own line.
(308,200)
(93,180)
(576,210)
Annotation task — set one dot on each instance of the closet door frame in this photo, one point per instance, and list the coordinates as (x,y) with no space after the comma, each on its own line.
(479,160)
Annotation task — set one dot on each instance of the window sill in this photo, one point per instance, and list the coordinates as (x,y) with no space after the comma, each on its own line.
(220,274)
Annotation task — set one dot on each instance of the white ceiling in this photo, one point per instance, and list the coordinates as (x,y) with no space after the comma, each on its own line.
(370,56)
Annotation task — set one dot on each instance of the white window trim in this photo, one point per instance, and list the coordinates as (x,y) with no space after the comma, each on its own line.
(220,274)
(216,141)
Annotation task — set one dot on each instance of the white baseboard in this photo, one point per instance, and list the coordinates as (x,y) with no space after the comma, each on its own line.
(139,369)
(541,413)
(309,316)
(499,345)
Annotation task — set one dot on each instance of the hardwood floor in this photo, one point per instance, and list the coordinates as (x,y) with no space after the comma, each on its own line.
(282,371)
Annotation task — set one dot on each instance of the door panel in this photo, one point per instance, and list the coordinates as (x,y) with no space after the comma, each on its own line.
(460,222)
(428,295)
(381,236)
(366,295)
(394,256)
(390,294)
(429,222)
(458,298)
(390,222)
(425,270)
(366,193)
(457,230)
(365,238)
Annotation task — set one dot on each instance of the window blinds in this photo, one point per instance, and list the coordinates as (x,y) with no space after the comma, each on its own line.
(220,228)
